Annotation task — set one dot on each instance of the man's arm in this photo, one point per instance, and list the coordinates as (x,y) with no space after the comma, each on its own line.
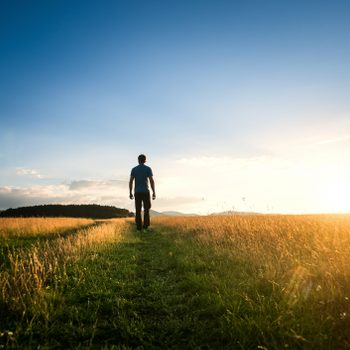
(130,187)
(152,186)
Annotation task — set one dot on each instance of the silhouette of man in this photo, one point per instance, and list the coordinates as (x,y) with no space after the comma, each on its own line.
(141,174)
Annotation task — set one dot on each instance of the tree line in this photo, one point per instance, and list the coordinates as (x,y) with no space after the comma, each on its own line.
(93,211)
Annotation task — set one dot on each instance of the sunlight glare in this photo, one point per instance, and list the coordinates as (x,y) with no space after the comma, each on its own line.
(336,197)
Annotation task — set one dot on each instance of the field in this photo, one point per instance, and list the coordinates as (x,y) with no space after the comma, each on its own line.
(235,282)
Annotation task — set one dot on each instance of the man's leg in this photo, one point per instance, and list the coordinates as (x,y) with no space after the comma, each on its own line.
(146,208)
(138,204)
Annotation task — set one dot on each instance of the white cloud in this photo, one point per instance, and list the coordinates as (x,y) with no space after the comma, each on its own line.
(289,180)
(334,139)
(58,194)
(221,161)
(100,185)
(28,172)
(111,192)
(11,197)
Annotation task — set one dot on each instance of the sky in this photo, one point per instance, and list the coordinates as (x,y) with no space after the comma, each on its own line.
(238,105)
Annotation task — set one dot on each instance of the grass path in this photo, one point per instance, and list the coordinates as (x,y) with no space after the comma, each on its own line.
(135,293)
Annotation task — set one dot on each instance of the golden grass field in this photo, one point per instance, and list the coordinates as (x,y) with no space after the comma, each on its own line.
(30,268)
(288,275)
(300,254)
(37,226)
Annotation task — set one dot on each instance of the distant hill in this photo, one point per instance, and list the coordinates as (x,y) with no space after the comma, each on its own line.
(155,213)
(169,213)
(73,210)
(232,212)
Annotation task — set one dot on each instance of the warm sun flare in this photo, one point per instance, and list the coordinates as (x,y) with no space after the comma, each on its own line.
(336,197)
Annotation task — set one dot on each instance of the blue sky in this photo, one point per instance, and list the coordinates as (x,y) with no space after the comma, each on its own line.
(238,104)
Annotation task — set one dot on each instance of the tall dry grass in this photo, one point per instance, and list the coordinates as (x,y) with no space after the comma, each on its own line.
(24,227)
(45,264)
(302,256)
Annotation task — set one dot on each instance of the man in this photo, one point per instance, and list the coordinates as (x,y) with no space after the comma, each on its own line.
(141,174)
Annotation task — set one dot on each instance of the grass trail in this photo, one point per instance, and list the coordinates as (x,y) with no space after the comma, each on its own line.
(137,293)
(133,293)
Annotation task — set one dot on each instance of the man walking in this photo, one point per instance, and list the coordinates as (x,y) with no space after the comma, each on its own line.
(141,173)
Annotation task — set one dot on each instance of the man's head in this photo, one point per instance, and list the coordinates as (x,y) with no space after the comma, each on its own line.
(142,159)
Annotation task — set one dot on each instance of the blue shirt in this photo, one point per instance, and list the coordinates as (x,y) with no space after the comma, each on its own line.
(141,174)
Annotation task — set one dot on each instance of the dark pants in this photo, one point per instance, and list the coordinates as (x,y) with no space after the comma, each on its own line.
(145,199)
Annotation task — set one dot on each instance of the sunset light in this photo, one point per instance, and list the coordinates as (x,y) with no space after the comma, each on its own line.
(227,99)
(175,174)
(335,197)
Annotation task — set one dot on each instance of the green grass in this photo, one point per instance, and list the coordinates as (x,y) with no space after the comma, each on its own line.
(161,289)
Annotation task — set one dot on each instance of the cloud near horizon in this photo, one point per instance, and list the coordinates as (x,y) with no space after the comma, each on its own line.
(75,192)
(100,185)
(298,177)
(111,192)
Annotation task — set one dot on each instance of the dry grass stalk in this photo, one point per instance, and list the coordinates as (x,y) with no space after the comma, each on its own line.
(19,227)
(31,271)
(299,254)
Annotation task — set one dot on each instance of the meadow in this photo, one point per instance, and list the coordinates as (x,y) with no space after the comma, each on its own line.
(213,282)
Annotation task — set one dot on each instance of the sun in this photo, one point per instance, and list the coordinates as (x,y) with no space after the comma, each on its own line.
(336,197)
